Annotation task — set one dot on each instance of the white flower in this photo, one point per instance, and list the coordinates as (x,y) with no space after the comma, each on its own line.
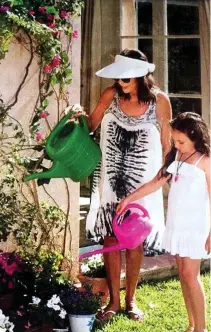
(77,108)
(54,303)
(35,300)
(62,313)
(84,268)
(5,324)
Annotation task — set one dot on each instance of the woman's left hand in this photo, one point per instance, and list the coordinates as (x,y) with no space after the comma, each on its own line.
(208,244)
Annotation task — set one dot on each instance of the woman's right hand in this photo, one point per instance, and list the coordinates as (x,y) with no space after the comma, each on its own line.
(122,205)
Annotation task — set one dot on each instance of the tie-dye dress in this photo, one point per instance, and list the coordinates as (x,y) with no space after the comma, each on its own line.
(131,155)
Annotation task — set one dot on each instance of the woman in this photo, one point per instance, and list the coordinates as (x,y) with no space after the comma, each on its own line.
(134,117)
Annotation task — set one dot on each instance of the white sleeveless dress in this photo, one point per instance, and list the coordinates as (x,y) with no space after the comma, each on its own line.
(188,216)
(131,155)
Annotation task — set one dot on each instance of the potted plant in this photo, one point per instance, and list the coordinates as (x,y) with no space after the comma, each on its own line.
(81,305)
(92,271)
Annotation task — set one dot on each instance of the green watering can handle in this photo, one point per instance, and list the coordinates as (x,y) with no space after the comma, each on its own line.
(60,125)
(83,123)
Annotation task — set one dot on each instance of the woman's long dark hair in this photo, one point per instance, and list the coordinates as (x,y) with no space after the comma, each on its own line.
(145,84)
(192,125)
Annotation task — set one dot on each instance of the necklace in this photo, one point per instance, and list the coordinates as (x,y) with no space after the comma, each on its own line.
(179,165)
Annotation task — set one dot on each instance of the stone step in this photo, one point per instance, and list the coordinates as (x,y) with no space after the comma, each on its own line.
(160,267)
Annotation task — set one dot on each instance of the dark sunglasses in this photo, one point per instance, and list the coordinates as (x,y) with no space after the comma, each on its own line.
(124,80)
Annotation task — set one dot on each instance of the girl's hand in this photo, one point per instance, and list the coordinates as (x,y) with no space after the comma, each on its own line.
(207,244)
(122,205)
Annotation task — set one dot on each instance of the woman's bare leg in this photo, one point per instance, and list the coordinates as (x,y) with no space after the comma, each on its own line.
(133,264)
(112,262)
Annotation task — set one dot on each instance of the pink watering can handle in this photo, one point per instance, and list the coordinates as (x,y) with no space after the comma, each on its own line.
(129,206)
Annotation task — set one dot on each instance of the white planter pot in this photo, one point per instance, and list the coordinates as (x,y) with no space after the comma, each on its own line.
(81,323)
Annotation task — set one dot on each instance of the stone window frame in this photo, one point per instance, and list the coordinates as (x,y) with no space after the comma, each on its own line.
(160,37)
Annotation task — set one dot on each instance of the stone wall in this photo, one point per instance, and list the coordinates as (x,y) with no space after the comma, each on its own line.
(12,70)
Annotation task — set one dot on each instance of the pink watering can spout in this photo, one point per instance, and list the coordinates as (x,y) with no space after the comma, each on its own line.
(130,231)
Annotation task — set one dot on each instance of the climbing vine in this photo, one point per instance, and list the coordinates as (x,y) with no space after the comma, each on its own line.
(40,26)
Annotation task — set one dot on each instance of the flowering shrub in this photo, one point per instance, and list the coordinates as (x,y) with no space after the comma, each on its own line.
(93,266)
(46,21)
(80,301)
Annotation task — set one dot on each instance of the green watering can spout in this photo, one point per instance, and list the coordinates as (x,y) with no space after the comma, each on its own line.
(74,153)
(56,171)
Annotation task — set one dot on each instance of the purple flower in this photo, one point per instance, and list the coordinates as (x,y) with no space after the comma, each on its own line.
(4,9)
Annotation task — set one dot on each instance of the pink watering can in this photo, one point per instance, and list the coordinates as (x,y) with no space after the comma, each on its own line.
(130,232)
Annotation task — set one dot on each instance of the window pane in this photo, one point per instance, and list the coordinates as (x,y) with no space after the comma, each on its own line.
(183,19)
(184,66)
(145,46)
(144,18)
(185,105)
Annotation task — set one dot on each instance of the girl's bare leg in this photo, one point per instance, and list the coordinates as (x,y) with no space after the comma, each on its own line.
(185,294)
(194,293)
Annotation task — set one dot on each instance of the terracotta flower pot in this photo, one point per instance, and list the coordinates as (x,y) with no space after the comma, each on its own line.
(6,301)
(98,285)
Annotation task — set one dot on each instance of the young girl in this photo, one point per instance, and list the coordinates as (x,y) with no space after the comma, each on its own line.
(187,234)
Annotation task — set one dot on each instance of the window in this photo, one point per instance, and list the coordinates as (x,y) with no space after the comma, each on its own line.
(168,32)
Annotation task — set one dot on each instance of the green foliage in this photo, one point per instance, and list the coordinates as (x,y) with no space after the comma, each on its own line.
(44,268)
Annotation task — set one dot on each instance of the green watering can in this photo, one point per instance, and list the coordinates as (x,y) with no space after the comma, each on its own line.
(74,153)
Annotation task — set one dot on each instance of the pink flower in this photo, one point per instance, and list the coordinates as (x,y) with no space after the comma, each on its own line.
(31,12)
(19,313)
(67,92)
(50,17)
(55,61)
(63,14)
(4,9)
(39,136)
(75,34)
(28,325)
(44,115)
(51,25)
(42,10)
(48,68)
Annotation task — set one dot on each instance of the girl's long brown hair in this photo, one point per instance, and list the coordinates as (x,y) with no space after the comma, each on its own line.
(192,125)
